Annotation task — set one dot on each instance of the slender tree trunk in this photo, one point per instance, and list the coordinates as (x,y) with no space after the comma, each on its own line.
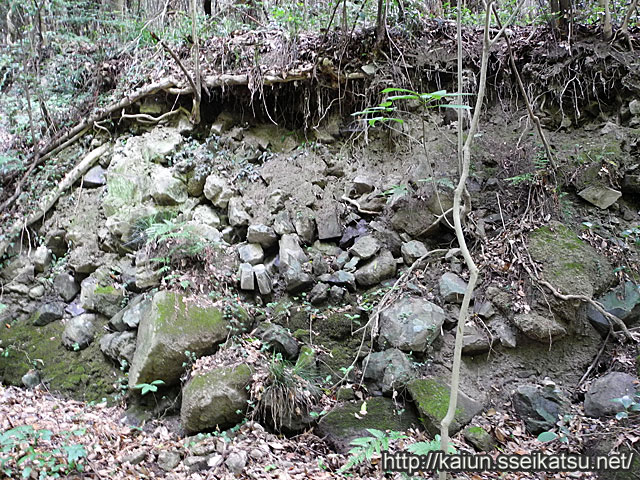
(381,22)
(197,95)
(624,28)
(607,29)
(461,193)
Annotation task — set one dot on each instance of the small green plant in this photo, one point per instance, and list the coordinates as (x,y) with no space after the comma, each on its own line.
(148,387)
(191,358)
(562,434)
(632,234)
(364,448)
(383,110)
(286,393)
(422,448)
(631,404)
(29,451)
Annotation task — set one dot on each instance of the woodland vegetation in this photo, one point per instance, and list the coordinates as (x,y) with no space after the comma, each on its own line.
(473,163)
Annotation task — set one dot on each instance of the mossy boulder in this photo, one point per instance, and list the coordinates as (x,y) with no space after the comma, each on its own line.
(172,325)
(347,422)
(83,375)
(571,265)
(215,399)
(431,396)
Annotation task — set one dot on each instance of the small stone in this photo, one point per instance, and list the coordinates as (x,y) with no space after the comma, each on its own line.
(95,177)
(238,216)
(412,251)
(275,202)
(390,370)
(634,107)
(79,332)
(479,438)
(335,294)
(215,461)
(319,265)
(365,247)
(42,258)
(195,464)
(282,223)
(351,265)
(362,185)
(600,196)
(538,327)
(217,191)
(167,189)
(598,401)
(223,123)
(135,457)
(305,226)
(31,379)
(236,461)
(475,342)
(452,288)
(251,253)
(340,278)
(36,292)
(205,215)
(56,242)
(66,286)
(246,276)
(168,460)
(262,234)
(539,406)
(119,346)
(345,394)
(342,259)
(328,222)
(263,279)
(319,293)
(380,268)
(279,339)
(297,279)
(484,309)
(256,454)
(47,313)
(227,234)
(291,252)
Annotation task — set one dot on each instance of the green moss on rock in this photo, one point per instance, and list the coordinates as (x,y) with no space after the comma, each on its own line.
(570,265)
(173,325)
(83,375)
(341,425)
(431,396)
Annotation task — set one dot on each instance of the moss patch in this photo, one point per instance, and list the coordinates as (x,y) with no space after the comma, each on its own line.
(84,375)
(571,265)
(431,398)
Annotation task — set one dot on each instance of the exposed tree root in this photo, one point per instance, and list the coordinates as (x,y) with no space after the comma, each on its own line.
(172,87)
(613,320)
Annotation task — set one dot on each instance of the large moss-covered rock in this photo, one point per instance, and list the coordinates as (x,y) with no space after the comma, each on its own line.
(572,266)
(341,425)
(431,396)
(215,399)
(172,325)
